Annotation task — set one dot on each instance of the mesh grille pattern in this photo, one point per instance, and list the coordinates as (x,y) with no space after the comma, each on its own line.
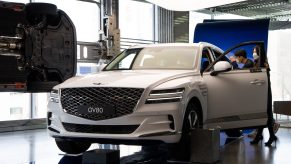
(123,99)
(104,129)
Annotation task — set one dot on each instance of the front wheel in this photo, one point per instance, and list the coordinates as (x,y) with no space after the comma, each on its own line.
(192,120)
(72,147)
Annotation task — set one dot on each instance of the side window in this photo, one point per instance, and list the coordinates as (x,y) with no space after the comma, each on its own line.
(259,57)
(205,59)
(242,57)
(126,62)
(217,54)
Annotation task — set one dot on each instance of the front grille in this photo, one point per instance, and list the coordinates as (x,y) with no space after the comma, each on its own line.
(122,99)
(102,129)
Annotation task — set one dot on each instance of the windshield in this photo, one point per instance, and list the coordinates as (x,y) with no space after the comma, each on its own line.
(179,57)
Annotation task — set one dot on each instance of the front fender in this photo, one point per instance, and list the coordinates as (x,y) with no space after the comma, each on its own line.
(197,90)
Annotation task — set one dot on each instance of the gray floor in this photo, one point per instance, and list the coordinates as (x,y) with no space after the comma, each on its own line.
(36,147)
(242,152)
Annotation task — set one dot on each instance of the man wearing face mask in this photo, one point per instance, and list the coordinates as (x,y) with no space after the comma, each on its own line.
(240,56)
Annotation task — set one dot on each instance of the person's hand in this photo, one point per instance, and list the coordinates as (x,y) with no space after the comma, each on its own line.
(232,59)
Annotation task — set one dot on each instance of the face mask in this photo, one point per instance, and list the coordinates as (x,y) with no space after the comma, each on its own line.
(237,61)
(255,56)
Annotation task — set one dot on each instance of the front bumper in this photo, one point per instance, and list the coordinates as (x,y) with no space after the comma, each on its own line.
(151,122)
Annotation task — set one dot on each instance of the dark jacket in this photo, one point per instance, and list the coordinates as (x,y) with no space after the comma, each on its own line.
(248,64)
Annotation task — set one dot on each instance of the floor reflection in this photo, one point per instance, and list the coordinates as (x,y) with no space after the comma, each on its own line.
(135,154)
(154,154)
(36,147)
(229,140)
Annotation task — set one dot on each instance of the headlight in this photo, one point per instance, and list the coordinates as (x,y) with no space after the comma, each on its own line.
(165,96)
(54,96)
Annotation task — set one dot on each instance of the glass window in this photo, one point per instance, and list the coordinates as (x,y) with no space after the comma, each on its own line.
(40,105)
(166,58)
(84,15)
(85,68)
(136,20)
(205,60)
(181,57)
(126,62)
(14,106)
(244,58)
(279,59)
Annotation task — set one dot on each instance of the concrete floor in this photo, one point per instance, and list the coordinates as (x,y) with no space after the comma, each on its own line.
(36,147)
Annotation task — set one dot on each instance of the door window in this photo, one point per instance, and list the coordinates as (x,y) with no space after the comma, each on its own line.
(127,61)
(206,59)
(246,56)
(216,54)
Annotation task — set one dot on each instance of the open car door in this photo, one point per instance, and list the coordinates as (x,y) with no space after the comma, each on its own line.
(37,47)
(237,98)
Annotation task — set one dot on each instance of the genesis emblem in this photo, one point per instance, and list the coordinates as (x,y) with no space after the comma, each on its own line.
(98,84)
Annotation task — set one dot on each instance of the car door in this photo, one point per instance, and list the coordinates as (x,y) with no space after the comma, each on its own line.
(236,98)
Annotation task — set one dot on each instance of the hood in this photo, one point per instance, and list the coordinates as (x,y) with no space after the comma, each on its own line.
(126,78)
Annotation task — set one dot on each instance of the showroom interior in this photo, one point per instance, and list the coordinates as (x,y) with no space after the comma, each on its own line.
(23,121)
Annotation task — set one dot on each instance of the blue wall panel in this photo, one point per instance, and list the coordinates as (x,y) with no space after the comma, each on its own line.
(227,33)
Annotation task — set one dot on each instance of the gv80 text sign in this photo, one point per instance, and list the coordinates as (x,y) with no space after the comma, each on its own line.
(99,110)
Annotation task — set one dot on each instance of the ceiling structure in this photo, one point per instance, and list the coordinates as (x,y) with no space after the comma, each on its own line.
(276,10)
(190,5)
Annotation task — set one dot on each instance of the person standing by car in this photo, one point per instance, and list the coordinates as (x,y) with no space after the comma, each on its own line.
(240,56)
(270,123)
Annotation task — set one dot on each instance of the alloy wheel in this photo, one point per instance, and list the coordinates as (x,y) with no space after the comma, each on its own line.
(193,120)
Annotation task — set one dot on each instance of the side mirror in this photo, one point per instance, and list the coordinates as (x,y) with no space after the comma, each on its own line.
(221,66)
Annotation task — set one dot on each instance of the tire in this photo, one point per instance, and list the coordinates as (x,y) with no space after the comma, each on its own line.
(192,120)
(41,9)
(72,147)
(233,133)
(35,13)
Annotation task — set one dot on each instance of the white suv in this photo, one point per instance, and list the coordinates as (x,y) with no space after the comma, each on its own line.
(157,93)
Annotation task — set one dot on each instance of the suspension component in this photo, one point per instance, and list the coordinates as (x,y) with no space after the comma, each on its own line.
(11,46)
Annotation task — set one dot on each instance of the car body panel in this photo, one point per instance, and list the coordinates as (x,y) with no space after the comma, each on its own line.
(236,104)
(124,78)
(234,100)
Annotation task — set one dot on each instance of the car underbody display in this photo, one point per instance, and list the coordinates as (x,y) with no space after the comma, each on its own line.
(37,47)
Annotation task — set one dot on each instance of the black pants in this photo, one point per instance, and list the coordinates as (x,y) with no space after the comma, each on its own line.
(270,122)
